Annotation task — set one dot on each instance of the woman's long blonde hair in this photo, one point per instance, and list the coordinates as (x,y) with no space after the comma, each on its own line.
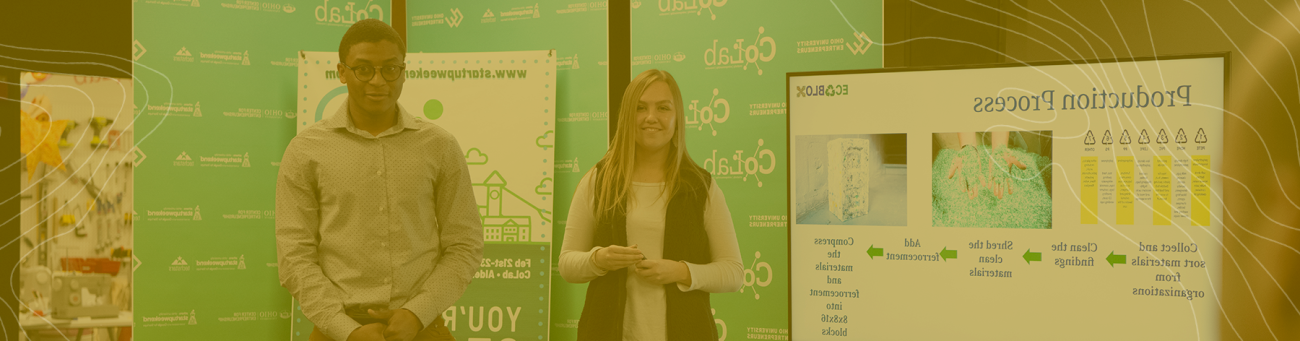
(613,175)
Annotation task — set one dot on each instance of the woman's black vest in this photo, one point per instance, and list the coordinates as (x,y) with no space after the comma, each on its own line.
(689,316)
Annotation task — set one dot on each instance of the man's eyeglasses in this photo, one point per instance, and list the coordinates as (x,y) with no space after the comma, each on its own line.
(367,72)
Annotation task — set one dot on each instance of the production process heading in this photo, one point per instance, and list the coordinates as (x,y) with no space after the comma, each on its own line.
(1139,98)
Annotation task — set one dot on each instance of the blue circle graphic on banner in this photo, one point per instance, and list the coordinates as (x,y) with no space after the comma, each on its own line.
(320,108)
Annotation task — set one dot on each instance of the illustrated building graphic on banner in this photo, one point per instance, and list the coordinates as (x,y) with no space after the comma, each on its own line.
(498,226)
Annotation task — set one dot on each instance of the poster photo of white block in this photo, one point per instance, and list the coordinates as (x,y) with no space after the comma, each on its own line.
(858,179)
(847,177)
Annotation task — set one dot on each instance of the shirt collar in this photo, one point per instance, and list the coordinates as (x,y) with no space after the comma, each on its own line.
(341,119)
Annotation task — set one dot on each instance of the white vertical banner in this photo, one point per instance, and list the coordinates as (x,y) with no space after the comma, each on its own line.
(500,106)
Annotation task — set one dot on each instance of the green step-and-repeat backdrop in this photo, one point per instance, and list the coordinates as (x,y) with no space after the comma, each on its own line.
(223,104)
(730,59)
(214,120)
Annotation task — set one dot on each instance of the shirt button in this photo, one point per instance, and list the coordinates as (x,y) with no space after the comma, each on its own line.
(383,244)
(379,173)
(387,280)
(381,208)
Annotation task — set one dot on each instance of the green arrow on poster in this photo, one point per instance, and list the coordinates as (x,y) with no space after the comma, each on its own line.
(874,251)
(1115,259)
(1033,256)
(947,254)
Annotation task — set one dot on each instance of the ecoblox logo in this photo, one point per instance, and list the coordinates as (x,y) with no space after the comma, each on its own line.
(828,90)
(762,49)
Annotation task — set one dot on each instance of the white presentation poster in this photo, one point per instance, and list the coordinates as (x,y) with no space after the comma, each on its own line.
(1077,200)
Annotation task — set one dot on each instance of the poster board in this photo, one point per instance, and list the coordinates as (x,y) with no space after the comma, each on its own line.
(1117,214)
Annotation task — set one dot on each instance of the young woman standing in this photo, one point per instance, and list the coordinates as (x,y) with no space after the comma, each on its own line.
(650,229)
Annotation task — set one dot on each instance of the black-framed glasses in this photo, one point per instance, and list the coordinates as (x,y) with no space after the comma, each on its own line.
(366,72)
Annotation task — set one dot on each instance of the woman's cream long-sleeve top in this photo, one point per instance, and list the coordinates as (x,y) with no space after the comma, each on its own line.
(644,317)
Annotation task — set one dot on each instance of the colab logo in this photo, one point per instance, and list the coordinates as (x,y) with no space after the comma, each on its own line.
(762,49)
(347,14)
(717,110)
(679,57)
(667,7)
(862,45)
(755,273)
(455,18)
(722,325)
(829,90)
(636,4)
(761,161)
(289,9)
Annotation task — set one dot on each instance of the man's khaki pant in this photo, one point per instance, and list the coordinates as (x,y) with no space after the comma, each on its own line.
(435,332)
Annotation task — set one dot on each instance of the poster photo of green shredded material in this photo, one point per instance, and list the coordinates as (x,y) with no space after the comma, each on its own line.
(992,179)
(851,179)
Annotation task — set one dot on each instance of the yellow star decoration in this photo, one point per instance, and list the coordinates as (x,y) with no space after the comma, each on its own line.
(40,142)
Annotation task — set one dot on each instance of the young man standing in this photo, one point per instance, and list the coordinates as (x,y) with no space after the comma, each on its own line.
(377,228)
